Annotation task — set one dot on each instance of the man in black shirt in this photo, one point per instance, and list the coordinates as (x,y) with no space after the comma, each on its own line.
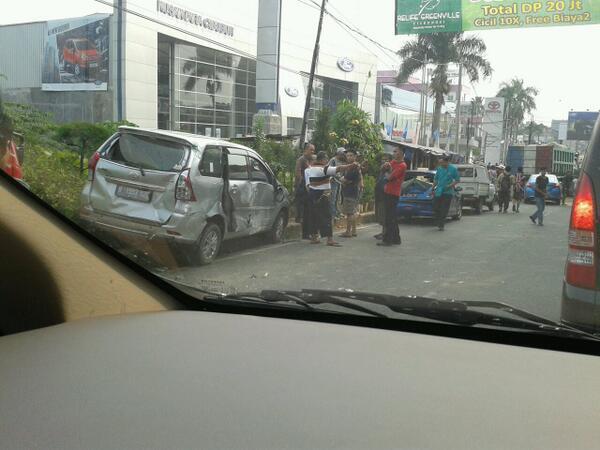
(541,186)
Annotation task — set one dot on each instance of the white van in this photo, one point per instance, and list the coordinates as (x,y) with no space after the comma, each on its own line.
(477,188)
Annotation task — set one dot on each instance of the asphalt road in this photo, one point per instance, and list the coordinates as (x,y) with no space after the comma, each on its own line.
(493,257)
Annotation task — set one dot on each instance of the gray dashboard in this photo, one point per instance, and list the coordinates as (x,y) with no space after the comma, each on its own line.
(188,380)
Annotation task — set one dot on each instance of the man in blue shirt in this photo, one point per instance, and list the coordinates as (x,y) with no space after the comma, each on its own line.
(446,179)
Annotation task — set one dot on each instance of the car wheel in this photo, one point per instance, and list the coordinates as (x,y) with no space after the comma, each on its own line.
(208,245)
(277,232)
(77,70)
(477,206)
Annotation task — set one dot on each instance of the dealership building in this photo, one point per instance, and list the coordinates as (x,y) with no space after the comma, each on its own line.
(205,68)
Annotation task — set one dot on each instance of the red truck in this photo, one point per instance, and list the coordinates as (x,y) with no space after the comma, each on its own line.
(80,56)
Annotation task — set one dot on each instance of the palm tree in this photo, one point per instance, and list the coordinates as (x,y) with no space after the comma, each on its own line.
(442,49)
(519,101)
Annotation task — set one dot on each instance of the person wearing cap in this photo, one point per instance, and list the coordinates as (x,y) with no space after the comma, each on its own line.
(318,186)
(505,185)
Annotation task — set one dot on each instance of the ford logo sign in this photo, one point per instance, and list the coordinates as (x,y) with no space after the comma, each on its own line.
(345,64)
(291,91)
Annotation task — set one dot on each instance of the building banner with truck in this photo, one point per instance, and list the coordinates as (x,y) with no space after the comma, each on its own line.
(434,16)
(493,129)
(76,54)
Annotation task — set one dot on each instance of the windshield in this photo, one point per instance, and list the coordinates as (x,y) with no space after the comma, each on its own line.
(466,172)
(552,179)
(148,152)
(84,45)
(220,156)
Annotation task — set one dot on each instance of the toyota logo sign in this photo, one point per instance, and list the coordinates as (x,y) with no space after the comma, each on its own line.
(494,106)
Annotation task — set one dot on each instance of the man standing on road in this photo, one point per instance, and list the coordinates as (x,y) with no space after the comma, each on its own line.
(382,179)
(397,168)
(301,196)
(317,180)
(446,179)
(541,187)
(567,186)
(505,186)
(352,183)
(519,191)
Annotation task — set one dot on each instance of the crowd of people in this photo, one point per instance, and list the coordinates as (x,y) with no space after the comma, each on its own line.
(512,187)
(322,184)
(327,187)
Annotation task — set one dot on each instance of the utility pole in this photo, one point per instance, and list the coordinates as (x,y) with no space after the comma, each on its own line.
(423,106)
(458,109)
(311,79)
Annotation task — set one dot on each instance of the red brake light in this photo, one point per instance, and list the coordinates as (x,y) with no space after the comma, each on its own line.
(583,215)
(183,188)
(92,163)
(581,260)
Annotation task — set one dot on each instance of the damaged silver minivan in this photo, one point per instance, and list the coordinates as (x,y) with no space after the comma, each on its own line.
(190,190)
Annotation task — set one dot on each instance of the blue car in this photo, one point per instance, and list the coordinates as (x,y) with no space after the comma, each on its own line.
(554,191)
(416,199)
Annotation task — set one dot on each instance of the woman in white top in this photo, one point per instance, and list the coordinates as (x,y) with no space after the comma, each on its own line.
(318,184)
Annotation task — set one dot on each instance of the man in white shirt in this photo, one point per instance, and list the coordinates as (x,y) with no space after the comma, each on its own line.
(318,184)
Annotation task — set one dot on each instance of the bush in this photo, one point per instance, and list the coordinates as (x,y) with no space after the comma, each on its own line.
(368,195)
(52,169)
(54,176)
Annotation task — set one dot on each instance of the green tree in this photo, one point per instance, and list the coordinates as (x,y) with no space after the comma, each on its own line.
(519,101)
(355,130)
(324,138)
(442,49)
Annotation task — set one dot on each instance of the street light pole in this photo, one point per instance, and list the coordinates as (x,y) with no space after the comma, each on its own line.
(311,78)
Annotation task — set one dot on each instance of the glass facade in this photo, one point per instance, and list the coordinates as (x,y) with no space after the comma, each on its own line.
(328,92)
(206,92)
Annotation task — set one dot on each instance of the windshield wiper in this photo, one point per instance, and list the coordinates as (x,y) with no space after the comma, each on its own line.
(466,313)
(275,299)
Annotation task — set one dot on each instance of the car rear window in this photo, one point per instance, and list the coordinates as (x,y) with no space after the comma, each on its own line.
(149,153)
(466,172)
(551,178)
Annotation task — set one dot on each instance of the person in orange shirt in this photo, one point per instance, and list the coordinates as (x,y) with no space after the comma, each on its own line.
(9,162)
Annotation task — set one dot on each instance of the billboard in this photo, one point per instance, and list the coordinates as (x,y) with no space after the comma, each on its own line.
(76,54)
(581,125)
(484,15)
(435,16)
(427,16)
(493,128)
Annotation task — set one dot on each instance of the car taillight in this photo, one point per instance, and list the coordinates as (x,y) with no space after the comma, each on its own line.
(183,188)
(92,163)
(581,260)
